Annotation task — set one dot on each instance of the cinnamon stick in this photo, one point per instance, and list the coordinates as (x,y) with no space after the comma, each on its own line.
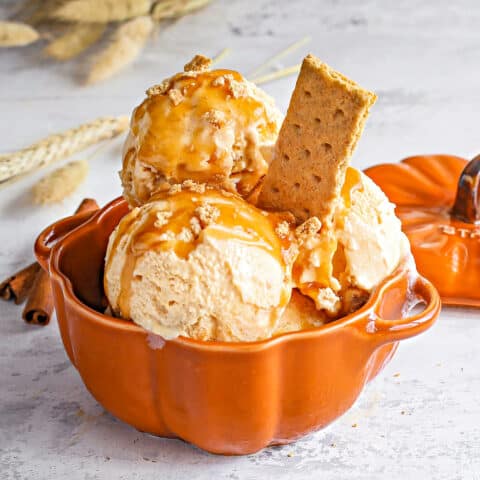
(39,307)
(18,286)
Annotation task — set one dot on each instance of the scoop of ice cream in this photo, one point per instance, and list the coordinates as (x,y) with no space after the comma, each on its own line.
(340,265)
(200,263)
(211,127)
(300,314)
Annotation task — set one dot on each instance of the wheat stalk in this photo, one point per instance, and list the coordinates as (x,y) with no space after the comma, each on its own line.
(284,72)
(23,9)
(58,146)
(60,183)
(102,11)
(127,42)
(15,34)
(38,11)
(175,8)
(79,37)
(294,46)
(221,56)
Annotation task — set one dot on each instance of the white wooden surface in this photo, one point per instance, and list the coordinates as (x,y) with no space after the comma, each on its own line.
(422,58)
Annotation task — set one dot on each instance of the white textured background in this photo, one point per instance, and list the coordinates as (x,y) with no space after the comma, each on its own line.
(423,60)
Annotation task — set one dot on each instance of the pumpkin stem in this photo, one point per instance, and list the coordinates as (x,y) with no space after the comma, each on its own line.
(467,202)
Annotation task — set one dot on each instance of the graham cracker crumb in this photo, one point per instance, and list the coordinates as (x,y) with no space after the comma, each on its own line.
(175,189)
(159,89)
(166,236)
(282,229)
(219,81)
(215,118)
(193,186)
(185,235)
(162,219)
(328,300)
(195,226)
(290,254)
(308,229)
(207,214)
(175,96)
(198,63)
(238,89)
(219,178)
(188,74)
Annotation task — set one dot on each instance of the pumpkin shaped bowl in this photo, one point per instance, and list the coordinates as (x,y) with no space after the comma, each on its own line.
(228,398)
(437,199)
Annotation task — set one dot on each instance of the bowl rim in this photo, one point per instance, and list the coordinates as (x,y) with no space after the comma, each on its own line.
(406,267)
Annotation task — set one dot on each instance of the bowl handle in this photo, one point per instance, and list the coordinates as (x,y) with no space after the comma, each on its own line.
(388,331)
(52,234)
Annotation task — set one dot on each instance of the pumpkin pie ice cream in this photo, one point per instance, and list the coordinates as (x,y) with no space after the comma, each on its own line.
(340,265)
(242,230)
(199,262)
(209,126)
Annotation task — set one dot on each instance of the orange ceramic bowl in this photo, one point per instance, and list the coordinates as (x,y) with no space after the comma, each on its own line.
(228,398)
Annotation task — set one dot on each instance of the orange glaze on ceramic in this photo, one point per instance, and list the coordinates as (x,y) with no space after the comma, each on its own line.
(229,398)
(445,244)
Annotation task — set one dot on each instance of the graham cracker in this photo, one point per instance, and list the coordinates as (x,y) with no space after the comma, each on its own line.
(324,121)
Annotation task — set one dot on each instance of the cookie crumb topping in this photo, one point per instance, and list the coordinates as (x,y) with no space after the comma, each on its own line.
(199,63)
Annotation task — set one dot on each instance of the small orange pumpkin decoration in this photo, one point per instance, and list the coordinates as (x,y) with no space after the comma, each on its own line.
(438,202)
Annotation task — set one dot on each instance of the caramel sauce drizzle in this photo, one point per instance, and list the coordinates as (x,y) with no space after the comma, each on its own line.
(237,221)
(325,245)
(123,227)
(193,155)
